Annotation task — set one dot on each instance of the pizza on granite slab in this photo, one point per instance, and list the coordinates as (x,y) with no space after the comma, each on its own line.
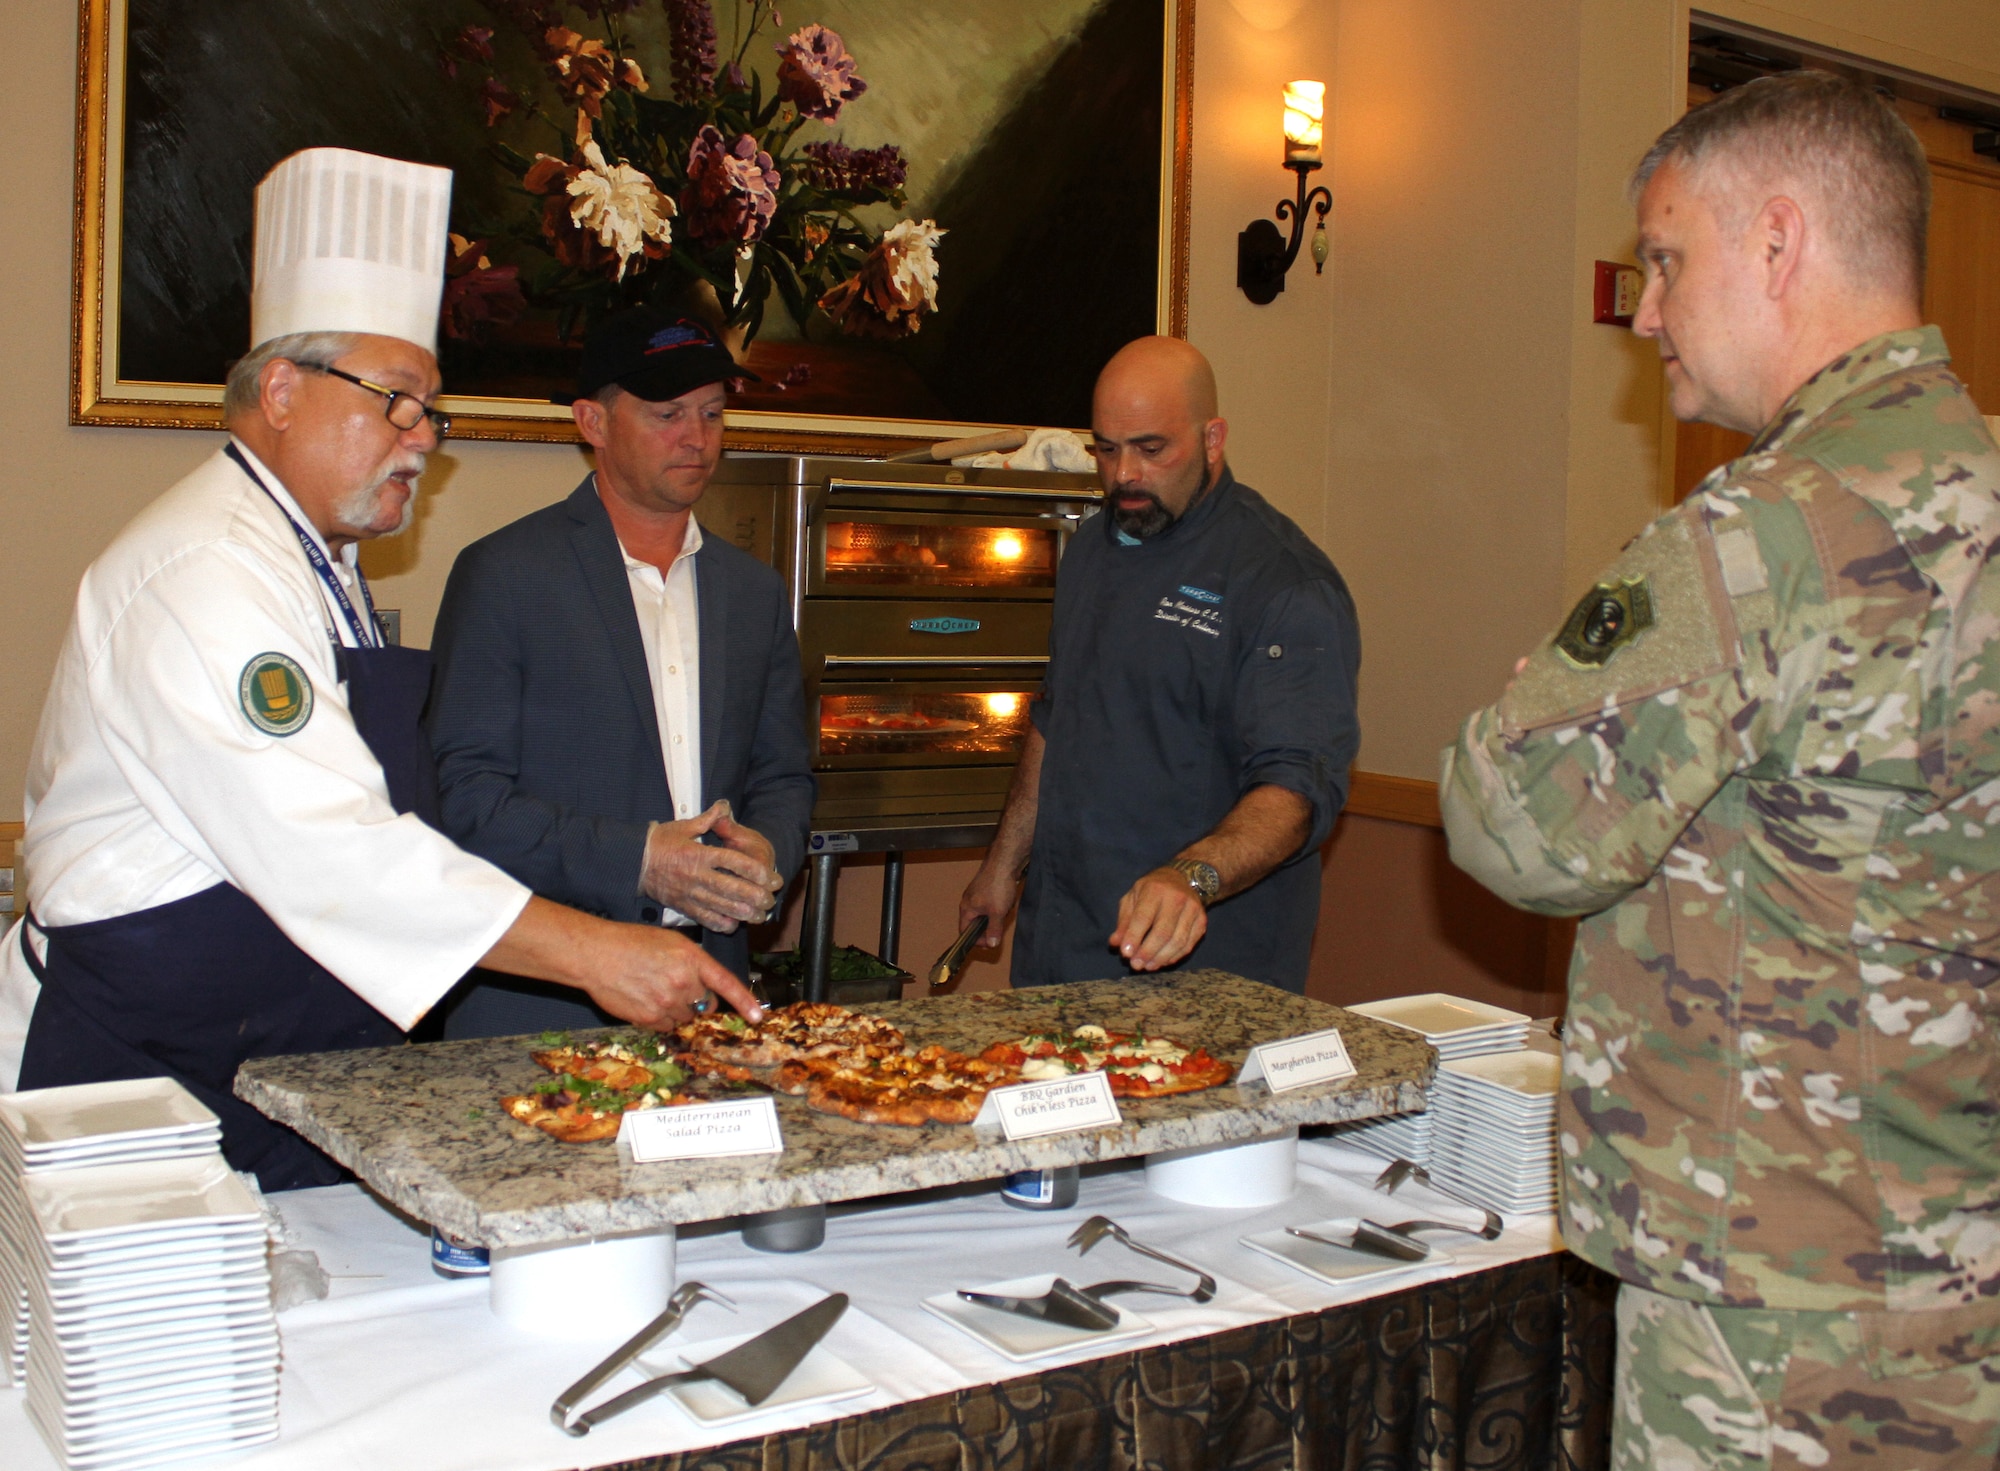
(1137,1064)
(844,1063)
(595,1084)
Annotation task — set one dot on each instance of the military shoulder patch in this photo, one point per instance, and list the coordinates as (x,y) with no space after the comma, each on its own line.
(1607,618)
(276,694)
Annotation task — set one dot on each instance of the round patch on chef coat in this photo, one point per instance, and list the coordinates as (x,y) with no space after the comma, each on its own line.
(276,694)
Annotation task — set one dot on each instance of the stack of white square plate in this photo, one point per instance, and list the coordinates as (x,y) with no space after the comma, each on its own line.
(121,1122)
(1493,1136)
(1453,1025)
(151,1328)
(1456,1027)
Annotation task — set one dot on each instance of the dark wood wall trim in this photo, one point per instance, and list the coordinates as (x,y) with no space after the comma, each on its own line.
(1394,799)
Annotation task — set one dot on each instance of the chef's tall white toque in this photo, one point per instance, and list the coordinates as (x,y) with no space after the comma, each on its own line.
(349,242)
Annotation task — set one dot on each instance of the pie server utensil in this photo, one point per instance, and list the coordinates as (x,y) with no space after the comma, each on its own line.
(685,1297)
(753,1369)
(1063,1303)
(953,960)
(1371,1238)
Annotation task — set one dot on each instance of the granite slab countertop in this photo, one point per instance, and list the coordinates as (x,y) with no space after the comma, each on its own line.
(422,1125)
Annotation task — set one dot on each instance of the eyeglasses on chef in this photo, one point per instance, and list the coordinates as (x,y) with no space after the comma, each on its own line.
(404,411)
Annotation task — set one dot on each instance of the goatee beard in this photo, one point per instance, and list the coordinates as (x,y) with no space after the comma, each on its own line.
(1154,518)
(360,509)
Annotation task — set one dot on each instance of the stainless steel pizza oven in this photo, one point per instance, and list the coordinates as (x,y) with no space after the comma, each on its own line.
(922,596)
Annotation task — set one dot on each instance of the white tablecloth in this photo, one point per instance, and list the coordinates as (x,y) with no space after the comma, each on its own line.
(397,1368)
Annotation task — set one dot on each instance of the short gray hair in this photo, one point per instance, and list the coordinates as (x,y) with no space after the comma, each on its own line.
(313,349)
(1838,138)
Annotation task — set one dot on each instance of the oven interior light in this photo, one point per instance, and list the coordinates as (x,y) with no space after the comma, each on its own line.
(1003,705)
(1007,547)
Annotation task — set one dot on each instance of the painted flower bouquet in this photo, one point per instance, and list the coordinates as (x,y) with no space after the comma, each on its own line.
(713,198)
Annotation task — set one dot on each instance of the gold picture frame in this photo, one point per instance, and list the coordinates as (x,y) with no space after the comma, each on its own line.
(99,396)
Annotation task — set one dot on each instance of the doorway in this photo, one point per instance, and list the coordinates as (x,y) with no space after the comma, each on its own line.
(1962,284)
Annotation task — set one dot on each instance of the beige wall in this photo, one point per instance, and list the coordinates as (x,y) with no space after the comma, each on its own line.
(1436,409)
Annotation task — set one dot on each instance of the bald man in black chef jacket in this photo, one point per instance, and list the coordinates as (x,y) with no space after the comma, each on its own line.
(1190,747)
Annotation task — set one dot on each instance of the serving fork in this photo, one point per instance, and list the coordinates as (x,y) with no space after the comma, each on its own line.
(685,1297)
(1097,1228)
(1396,1241)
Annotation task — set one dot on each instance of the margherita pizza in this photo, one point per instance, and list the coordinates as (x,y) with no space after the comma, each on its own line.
(1138,1066)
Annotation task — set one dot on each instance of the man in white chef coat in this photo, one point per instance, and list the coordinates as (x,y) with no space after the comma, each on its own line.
(225,857)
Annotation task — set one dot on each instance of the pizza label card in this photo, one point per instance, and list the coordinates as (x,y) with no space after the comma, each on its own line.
(702,1131)
(1032,1110)
(1298,1062)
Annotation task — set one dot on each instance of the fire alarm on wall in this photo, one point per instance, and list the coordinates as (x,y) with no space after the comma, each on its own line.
(1617,294)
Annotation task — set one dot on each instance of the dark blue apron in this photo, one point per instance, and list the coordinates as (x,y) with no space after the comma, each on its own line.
(194,988)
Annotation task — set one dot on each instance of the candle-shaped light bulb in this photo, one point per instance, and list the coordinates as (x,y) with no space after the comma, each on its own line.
(1305,106)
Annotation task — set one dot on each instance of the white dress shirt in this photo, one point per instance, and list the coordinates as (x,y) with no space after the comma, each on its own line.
(670,628)
(148,783)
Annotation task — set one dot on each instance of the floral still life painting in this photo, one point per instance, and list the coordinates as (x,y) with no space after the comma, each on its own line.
(941,214)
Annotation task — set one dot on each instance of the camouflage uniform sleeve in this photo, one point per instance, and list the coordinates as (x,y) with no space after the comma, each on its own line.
(1568,794)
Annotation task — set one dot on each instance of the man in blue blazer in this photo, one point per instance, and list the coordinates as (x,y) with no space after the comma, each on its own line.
(618,716)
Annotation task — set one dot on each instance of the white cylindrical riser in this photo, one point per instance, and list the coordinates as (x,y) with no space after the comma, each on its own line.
(1228,1176)
(594,1288)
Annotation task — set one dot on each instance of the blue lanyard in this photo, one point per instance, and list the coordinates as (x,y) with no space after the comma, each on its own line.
(368,634)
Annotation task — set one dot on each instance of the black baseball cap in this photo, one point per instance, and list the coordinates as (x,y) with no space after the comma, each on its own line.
(655,355)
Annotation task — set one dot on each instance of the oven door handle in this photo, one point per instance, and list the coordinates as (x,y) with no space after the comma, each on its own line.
(1080,493)
(932,661)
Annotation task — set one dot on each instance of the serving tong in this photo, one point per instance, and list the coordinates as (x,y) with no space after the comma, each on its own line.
(1084,1307)
(685,1297)
(1396,1241)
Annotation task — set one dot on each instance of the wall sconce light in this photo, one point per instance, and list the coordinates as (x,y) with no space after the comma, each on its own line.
(1263,255)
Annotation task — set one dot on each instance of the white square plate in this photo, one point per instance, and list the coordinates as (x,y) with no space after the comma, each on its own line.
(109,1417)
(222,1380)
(91,1316)
(204,1325)
(1436,1014)
(127,1109)
(105,1375)
(1337,1265)
(1533,1075)
(1023,1339)
(107,1286)
(195,1146)
(821,1378)
(218,1254)
(72,1207)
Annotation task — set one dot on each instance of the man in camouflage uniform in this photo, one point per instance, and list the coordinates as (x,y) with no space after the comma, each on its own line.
(1763,756)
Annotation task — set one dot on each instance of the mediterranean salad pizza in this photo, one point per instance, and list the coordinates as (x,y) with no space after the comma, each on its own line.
(595,1084)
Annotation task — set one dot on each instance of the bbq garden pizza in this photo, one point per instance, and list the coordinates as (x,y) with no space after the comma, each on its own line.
(843,1063)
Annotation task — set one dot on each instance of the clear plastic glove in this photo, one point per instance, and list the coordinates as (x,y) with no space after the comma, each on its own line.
(719,885)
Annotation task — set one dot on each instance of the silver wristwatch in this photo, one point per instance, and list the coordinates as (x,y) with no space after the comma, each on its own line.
(1201,877)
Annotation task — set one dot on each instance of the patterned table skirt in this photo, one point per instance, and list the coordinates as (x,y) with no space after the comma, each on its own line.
(1503,1370)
